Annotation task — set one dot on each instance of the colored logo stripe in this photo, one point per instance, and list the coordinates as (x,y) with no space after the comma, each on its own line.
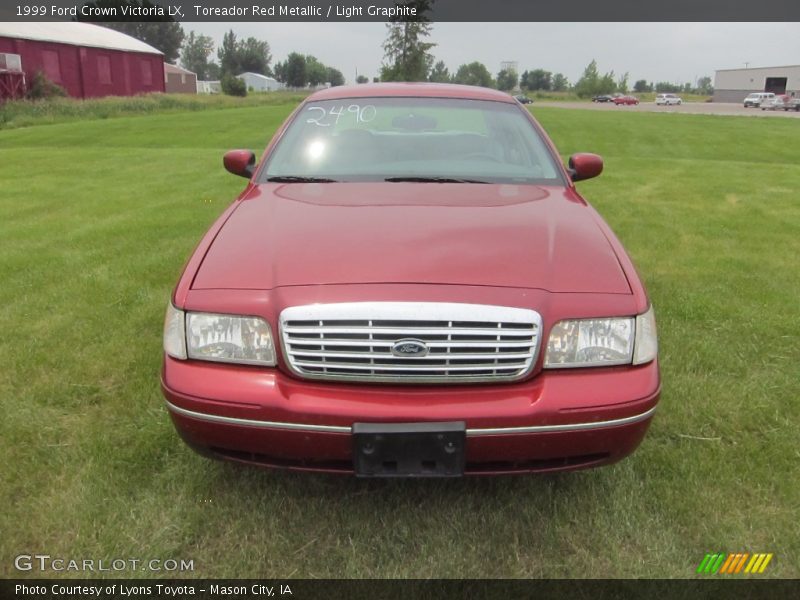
(733,564)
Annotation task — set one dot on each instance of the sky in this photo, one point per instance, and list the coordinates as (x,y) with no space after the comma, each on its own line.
(674,52)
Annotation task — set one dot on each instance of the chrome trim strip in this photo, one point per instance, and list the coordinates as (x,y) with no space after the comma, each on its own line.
(470,432)
(566,427)
(252,423)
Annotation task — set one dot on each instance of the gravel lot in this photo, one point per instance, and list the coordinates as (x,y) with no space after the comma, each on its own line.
(694,108)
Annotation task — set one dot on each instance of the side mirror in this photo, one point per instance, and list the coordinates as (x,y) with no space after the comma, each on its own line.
(585,166)
(240,162)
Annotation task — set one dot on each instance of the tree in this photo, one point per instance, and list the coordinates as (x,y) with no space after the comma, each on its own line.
(439,73)
(539,79)
(560,83)
(622,83)
(296,70)
(316,72)
(253,56)
(213,72)
(607,83)
(407,57)
(666,87)
(227,54)
(335,77)
(641,86)
(474,73)
(233,86)
(589,81)
(704,86)
(592,84)
(279,71)
(362,79)
(195,52)
(240,56)
(507,80)
(162,33)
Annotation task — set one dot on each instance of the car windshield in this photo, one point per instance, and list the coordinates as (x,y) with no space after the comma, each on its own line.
(411,139)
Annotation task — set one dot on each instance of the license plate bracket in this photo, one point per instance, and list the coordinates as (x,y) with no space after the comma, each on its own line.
(409,449)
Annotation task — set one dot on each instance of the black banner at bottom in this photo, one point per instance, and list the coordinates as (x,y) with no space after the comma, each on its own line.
(388,589)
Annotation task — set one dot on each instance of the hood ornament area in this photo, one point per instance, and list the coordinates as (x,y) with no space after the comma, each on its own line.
(409,348)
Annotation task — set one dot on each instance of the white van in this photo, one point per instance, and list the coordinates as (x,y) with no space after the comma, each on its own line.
(756,98)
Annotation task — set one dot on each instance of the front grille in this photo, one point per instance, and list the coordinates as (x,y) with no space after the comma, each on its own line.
(410,342)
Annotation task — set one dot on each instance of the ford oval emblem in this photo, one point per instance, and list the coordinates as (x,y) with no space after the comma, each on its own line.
(409,348)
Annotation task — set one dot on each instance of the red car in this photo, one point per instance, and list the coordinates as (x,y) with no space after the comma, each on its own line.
(411,285)
(626,100)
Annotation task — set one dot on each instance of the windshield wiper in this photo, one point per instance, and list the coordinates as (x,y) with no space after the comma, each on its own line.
(432,180)
(299,179)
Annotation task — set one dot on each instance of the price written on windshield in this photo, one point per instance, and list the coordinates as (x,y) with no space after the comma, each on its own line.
(325,117)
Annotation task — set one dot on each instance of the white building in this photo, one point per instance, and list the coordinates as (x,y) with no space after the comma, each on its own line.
(260,83)
(732,85)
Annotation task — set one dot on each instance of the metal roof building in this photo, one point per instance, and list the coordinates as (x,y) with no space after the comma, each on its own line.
(260,83)
(732,85)
(86,60)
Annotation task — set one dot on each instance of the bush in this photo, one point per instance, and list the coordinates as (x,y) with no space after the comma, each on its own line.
(233,86)
(41,88)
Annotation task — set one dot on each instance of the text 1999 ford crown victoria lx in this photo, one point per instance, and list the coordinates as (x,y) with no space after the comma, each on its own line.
(410,285)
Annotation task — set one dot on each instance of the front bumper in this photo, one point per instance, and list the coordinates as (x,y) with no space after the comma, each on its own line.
(557,420)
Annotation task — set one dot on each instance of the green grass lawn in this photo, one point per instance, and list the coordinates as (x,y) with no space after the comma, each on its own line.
(96,220)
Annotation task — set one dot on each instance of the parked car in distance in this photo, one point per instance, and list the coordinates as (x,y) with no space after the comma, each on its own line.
(411,285)
(756,98)
(774,103)
(523,99)
(603,98)
(668,99)
(792,104)
(626,100)
(782,102)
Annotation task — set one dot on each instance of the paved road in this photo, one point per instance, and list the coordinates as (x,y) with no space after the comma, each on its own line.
(692,108)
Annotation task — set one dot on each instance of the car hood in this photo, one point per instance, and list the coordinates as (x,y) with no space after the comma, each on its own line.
(425,233)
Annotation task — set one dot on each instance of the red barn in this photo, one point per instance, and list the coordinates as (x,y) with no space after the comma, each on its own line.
(86,60)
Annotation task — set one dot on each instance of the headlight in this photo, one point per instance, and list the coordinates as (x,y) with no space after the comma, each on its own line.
(218,338)
(175,333)
(602,342)
(590,343)
(645,348)
(227,338)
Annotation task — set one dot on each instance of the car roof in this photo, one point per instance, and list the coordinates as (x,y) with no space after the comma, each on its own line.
(412,90)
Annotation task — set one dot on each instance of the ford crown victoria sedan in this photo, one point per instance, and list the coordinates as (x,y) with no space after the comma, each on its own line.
(411,285)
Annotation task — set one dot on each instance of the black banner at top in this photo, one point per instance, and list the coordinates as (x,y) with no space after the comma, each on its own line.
(386,10)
